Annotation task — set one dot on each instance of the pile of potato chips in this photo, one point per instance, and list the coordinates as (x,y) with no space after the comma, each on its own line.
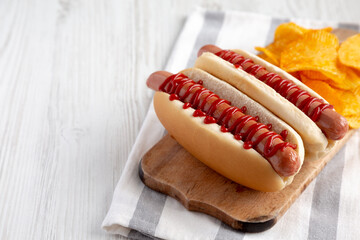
(318,60)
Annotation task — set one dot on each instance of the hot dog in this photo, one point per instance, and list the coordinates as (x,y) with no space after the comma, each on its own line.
(299,106)
(256,157)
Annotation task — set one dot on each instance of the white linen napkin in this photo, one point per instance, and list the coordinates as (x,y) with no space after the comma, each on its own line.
(328,209)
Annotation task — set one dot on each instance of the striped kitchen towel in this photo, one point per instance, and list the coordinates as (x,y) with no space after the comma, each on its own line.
(328,209)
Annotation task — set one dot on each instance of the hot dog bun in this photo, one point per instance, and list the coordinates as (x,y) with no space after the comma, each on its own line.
(315,142)
(219,150)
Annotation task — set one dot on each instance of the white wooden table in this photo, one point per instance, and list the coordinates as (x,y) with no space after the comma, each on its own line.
(73,98)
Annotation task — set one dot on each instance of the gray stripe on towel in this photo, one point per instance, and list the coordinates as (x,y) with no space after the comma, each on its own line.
(148,211)
(208,33)
(326,199)
(351,26)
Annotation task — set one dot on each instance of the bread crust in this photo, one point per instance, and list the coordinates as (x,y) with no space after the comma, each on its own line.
(315,142)
(219,150)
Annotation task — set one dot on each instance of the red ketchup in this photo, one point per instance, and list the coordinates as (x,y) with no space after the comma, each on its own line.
(186,105)
(248,145)
(280,85)
(175,83)
(199,113)
(284,134)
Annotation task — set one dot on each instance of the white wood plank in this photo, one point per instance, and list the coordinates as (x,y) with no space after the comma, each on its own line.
(73,98)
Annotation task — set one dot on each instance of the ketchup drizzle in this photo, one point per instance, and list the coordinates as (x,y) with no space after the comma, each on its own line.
(174,85)
(186,105)
(198,113)
(284,134)
(280,85)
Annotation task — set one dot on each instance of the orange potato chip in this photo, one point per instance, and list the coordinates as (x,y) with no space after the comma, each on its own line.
(314,51)
(315,75)
(271,51)
(347,103)
(352,78)
(347,84)
(266,58)
(325,90)
(271,57)
(346,78)
(289,31)
(349,52)
(285,34)
(354,120)
(327,29)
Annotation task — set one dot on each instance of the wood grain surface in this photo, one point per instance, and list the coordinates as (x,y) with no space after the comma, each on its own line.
(73,98)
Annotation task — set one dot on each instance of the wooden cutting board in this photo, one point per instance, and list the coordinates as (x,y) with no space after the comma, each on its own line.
(170,169)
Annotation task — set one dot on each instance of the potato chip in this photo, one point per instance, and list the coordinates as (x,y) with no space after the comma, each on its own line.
(314,75)
(325,90)
(271,57)
(316,51)
(271,52)
(289,31)
(327,29)
(349,52)
(347,103)
(346,78)
(354,120)
(352,79)
(285,34)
